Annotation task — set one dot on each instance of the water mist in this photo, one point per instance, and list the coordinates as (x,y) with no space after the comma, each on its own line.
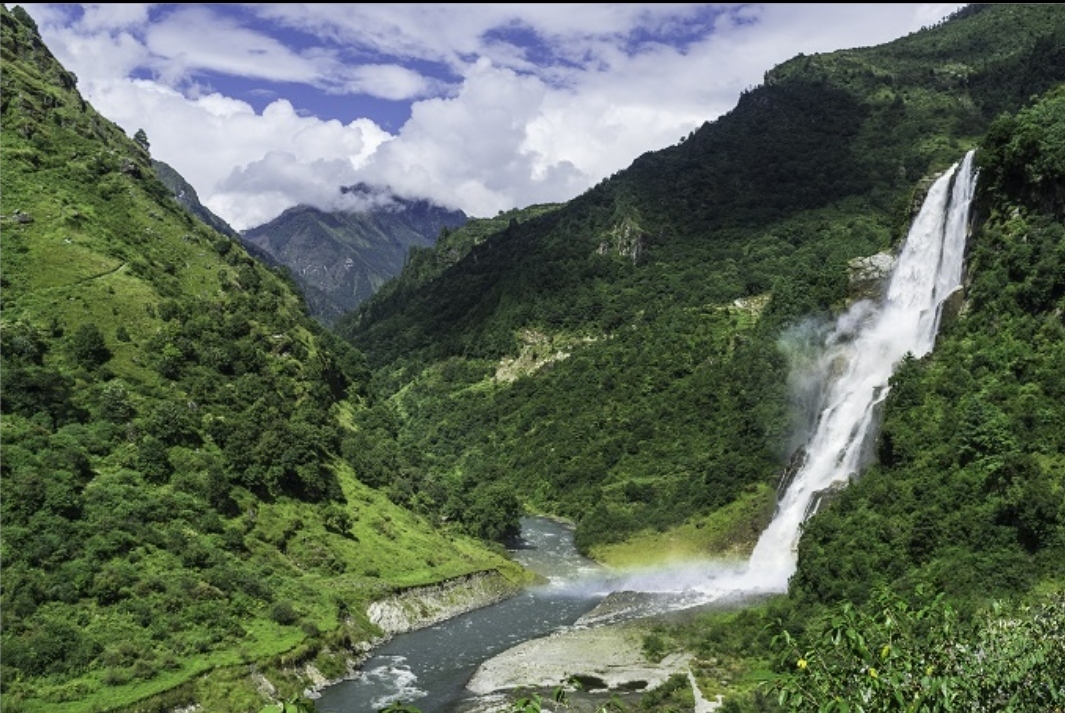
(841,375)
(859,357)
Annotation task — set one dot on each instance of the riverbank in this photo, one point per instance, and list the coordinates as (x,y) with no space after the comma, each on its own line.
(419,607)
(604,658)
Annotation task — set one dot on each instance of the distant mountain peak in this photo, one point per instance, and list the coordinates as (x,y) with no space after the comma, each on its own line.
(340,258)
(383,198)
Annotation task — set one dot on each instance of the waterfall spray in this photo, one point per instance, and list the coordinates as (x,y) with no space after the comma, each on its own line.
(855,361)
(868,343)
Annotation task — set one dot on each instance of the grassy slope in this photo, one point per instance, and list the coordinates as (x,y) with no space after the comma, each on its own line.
(90,237)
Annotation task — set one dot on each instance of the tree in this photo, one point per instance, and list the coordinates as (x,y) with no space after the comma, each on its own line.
(141,139)
(88,346)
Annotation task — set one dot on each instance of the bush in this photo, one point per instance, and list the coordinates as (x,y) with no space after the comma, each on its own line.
(926,657)
(284,613)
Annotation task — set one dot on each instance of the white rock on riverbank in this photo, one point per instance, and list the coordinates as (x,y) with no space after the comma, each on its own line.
(613,655)
(419,607)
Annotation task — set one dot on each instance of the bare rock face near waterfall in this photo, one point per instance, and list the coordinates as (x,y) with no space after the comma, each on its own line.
(868,275)
(953,305)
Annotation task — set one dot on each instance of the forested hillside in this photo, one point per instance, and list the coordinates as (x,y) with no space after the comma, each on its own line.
(623,359)
(180,506)
(936,580)
(202,485)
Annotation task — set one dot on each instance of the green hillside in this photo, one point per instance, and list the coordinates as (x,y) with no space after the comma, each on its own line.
(623,360)
(202,485)
(181,504)
(650,310)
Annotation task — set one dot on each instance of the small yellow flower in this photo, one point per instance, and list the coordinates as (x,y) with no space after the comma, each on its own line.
(928,671)
(801,663)
(885,651)
(872,672)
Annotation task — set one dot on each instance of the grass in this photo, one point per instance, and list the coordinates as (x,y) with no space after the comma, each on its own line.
(728,533)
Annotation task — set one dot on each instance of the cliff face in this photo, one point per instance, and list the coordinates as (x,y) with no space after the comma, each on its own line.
(419,607)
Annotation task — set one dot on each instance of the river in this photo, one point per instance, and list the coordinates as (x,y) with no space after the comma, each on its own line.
(429,668)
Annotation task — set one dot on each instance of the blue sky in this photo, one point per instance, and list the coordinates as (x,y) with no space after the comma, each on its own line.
(481,107)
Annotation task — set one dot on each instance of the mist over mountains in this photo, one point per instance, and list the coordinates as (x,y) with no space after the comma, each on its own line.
(339,259)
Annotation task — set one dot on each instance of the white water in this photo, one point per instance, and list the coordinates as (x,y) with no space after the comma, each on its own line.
(859,358)
(855,363)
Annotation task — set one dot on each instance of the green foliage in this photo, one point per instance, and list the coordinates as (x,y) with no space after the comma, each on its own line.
(88,347)
(141,139)
(652,309)
(199,493)
(969,491)
(895,655)
(174,502)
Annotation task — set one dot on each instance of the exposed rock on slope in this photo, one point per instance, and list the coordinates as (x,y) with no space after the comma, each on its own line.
(419,607)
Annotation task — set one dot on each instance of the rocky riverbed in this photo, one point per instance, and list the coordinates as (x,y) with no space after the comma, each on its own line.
(604,660)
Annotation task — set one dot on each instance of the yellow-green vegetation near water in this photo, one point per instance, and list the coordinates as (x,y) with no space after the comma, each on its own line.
(727,533)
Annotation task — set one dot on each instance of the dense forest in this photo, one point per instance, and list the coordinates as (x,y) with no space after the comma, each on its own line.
(643,320)
(179,496)
(198,477)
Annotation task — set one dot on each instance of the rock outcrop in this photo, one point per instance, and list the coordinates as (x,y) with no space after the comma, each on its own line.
(868,276)
(419,607)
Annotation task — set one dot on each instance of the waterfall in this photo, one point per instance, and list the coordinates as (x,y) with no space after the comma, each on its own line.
(856,359)
(859,357)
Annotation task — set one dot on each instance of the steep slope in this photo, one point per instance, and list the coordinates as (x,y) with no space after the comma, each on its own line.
(179,495)
(946,556)
(186,195)
(657,308)
(968,492)
(340,259)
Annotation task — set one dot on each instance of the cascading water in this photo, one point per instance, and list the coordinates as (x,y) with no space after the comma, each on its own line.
(860,355)
(858,359)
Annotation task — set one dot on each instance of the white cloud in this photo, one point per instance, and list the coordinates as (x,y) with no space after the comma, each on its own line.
(194,38)
(513,104)
(388,81)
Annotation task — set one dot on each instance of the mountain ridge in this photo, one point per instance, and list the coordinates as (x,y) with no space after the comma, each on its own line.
(340,258)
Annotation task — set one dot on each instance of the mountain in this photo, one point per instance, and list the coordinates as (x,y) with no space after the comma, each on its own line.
(630,360)
(626,359)
(339,259)
(202,486)
(605,358)
(184,525)
(186,195)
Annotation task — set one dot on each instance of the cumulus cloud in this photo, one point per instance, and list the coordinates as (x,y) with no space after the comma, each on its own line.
(262,107)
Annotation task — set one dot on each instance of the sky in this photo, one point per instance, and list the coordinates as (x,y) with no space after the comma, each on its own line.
(477,107)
